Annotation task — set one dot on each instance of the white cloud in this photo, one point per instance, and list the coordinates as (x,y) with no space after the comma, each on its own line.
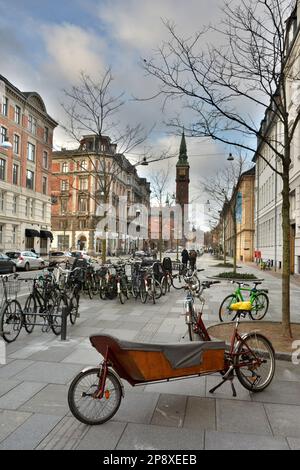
(139,24)
(72,49)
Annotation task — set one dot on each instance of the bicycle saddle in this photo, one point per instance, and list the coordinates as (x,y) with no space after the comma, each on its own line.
(244,306)
(256,283)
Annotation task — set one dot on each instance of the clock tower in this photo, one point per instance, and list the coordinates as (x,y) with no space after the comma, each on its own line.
(182,179)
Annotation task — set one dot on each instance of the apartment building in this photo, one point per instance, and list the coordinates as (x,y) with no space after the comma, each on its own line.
(268,184)
(79,182)
(25,169)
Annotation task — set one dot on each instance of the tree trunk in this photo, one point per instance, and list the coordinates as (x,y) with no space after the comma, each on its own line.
(224,243)
(286,251)
(104,250)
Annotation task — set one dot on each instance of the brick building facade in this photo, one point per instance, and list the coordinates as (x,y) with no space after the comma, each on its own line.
(76,188)
(25,169)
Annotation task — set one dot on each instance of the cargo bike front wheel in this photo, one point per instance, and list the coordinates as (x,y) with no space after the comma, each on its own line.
(83,401)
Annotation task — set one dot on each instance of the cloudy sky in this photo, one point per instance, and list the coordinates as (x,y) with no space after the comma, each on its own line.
(45,44)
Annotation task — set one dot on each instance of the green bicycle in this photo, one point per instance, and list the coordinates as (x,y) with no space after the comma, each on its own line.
(258,298)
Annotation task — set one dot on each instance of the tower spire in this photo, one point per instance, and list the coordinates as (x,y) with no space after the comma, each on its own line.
(183,158)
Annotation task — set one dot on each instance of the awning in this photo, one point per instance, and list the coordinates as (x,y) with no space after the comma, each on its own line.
(46,234)
(31,233)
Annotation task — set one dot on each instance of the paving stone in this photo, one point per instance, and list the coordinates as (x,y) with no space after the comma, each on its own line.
(12,369)
(7,385)
(30,434)
(192,387)
(280,392)
(104,437)
(170,410)
(49,372)
(66,435)
(20,395)
(241,416)
(119,333)
(286,371)
(240,441)
(11,420)
(141,437)
(83,356)
(52,400)
(53,354)
(293,443)
(200,413)
(137,407)
(284,419)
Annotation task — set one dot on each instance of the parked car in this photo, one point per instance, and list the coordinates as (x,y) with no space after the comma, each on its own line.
(26,260)
(7,265)
(140,254)
(60,257)
(80,254)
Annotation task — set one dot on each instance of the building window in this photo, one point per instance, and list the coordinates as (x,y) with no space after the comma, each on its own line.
(15,173)
(1,233)
(2,201)
(29,179)
(30,152)
(64,206)
(17,114)
(82,204)
(83,184)
(32,124)
(82,224)
(46,134)
(3,134)
(14,234)
(44,185)
(2,169)
(63,242)
(64,185)
(29,207)
(4,106)
(65,167)
(15,204)
(83,165)
(45,159)
(16,144)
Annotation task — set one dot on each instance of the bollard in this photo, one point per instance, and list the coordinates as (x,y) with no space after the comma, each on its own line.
(64,317)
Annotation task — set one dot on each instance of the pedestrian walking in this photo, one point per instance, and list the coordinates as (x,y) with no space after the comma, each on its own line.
(184,257)
(193,258)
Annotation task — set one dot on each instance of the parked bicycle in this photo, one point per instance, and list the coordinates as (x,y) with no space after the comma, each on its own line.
(11,315)
(257,297)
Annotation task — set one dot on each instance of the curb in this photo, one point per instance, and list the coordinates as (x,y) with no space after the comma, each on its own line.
(279,355)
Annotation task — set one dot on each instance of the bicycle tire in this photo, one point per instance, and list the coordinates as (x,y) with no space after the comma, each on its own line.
(231,314)
(55,315)
(79,413)
(143,293)
(164,285)
(11,315)
(28,324)
(244,343)
(177,281)
(73,307)
(157,289)
(263,313)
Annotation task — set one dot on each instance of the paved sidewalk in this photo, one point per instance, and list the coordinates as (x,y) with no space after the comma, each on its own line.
(181,415)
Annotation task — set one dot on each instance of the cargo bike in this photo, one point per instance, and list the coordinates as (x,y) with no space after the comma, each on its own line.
(95,393)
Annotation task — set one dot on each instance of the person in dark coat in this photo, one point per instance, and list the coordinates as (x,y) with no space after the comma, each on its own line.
(193,258)
(185,257)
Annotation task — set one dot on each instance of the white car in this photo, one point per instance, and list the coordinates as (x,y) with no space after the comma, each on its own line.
(26,260)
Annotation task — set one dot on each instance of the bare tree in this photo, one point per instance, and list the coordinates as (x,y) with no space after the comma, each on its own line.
(91,108)
(159,186)
(226,87)
(222,191)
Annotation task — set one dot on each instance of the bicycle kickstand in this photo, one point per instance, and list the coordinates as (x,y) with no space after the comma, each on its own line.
(228,376)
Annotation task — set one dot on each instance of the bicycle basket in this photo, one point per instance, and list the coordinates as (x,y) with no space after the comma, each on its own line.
(13,287)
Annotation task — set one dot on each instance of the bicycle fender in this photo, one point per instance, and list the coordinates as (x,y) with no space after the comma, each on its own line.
(244,336)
